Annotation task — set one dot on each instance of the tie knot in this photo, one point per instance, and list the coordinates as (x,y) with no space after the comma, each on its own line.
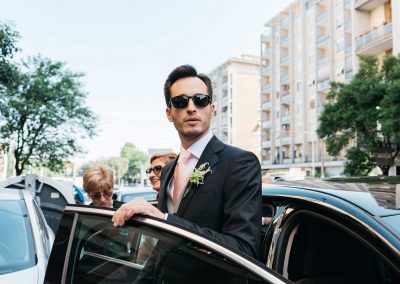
(184,156)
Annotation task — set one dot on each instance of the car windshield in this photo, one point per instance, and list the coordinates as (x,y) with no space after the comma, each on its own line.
(146,195)
(16,243)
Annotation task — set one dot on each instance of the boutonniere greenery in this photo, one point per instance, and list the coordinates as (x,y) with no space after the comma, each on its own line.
(197,177)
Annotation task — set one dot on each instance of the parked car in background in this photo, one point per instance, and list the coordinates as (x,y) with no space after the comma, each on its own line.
(126,194)
(332,233)
(25,239)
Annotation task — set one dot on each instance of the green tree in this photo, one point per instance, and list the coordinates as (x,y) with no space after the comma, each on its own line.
(363,116)
(8,47)
(135,159)
(43,114)
(119,165)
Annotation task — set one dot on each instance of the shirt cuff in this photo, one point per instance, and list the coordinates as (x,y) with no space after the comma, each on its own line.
(165,216)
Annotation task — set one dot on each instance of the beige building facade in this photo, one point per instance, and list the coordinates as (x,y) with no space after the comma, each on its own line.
(307,45)
(236,86)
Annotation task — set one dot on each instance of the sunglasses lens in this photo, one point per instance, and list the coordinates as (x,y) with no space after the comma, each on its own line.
(201,100)
(180,101)
(157,169)
(96,196)
(148,171)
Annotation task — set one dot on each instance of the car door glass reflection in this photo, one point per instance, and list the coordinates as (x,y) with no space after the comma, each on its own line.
(137,253)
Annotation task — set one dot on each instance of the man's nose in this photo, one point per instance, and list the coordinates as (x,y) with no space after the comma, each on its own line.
(191,106)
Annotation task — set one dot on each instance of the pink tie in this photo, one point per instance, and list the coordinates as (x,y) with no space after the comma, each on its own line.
(181,175)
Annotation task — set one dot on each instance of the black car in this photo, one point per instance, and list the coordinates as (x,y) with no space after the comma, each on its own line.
(316,236)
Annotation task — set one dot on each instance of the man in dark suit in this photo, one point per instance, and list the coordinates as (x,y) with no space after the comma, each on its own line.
(223,198)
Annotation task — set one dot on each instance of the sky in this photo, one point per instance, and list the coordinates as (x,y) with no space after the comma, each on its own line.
(127,48)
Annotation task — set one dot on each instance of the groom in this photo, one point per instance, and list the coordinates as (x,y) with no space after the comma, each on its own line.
(224,201)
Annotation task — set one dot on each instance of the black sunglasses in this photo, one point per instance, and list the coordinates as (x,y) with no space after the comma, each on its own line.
(156,170)
(97,195)
(182,101)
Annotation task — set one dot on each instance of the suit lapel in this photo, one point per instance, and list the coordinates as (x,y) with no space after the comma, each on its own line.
(210,156)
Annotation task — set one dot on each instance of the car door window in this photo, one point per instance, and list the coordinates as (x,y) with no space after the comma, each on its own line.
(137,253)
(315,249)
(41,223)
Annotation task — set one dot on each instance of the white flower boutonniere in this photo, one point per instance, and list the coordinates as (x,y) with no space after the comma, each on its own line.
(197,177)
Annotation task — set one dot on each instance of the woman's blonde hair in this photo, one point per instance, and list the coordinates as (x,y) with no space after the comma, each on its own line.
(98,179)
(165,157)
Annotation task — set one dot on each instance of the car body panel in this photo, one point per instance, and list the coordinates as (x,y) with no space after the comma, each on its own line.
(40,236)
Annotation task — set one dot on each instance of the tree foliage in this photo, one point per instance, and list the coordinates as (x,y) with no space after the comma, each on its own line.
(43,114)
(135,157)
(363,116)
(119,165)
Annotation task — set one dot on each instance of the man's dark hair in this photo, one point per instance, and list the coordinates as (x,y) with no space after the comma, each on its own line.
(184,71)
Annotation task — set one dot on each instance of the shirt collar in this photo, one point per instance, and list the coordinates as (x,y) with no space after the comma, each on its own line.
(197,148)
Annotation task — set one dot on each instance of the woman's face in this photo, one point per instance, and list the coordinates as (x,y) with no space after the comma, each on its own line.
(102,198)
(157,165)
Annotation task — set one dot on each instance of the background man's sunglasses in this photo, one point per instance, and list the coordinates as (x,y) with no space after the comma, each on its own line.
(182,101)
(97,195)
(156,170)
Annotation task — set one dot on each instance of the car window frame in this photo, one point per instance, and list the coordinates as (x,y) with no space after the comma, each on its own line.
(252,265)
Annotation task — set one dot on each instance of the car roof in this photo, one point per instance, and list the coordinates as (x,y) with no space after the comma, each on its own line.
(353,193)
(10,194)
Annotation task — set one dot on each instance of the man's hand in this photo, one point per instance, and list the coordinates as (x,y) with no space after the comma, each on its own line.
(136,206)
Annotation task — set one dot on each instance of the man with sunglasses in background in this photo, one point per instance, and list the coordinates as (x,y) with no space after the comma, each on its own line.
(225,203)
(98,182)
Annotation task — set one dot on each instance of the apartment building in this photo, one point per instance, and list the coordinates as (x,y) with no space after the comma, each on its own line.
(307,45)
(236,85)
(376,27)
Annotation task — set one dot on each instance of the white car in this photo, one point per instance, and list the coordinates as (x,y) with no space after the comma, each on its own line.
(25,239)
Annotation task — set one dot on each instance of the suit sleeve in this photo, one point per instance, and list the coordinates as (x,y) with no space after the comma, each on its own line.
(241,227)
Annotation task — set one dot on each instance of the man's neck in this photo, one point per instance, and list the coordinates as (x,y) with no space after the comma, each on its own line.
(189,141)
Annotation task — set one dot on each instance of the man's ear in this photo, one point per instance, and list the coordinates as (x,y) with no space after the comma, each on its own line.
(212,110)
(168,112)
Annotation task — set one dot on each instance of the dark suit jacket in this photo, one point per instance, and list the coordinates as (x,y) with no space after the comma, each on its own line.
(227,206)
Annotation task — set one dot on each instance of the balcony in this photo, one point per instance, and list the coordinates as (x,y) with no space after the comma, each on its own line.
(284,22)
(266,69)
(284,40)
(348,50)
(266,105)
(285,60)
(323,85)
(285,99)
(285,79)
(267,144)
(224,101)
(347,26)
(285,119)
(322,39)
(375,41)
(321,18)
(349,75)
(266,124)
(266,52)
(322,61)
(367,5)
(285,140)
(266,88)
